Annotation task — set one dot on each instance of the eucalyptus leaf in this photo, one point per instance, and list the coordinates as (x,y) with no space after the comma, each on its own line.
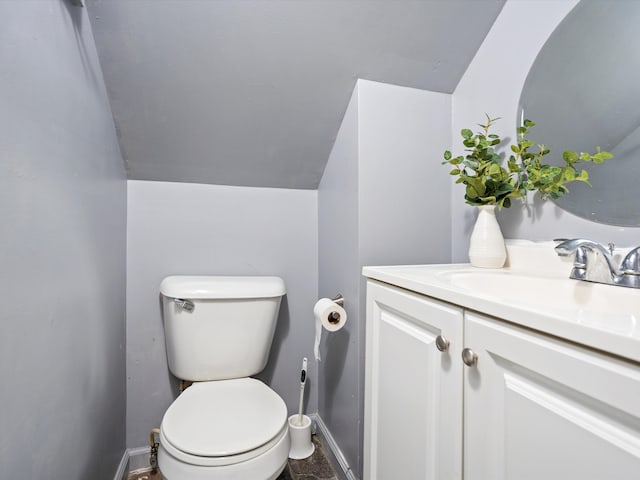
(570,156)
(488,183)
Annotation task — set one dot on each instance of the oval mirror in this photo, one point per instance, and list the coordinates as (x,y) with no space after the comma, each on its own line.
(583,91)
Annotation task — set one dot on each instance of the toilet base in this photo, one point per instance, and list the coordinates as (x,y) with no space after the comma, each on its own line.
(267,466)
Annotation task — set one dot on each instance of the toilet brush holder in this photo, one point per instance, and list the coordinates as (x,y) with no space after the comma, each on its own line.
(301,445)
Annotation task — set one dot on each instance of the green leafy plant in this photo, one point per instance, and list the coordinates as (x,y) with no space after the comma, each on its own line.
(549,180)
(487,182)
(481,171)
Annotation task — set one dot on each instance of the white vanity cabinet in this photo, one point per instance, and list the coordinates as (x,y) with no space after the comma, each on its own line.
(536,407)
(413,397)
(533,406)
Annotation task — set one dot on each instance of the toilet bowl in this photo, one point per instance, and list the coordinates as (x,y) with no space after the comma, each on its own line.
(225,429)
(226,425)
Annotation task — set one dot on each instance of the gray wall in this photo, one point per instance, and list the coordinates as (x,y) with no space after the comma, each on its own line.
(191,80)
(480,91)
(62,251)
(176,228)
(339,371)
(382,200)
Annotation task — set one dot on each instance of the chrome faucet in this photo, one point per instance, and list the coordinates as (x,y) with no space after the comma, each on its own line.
(630,268)
(594,263)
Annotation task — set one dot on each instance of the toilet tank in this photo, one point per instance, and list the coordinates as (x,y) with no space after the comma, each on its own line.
(219,328)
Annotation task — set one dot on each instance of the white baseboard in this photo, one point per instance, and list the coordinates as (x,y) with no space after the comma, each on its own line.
(139,458)
(123,468)
(335,451)
(132,459)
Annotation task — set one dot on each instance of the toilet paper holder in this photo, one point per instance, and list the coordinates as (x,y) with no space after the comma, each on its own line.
(330,315)
(339,299)
(334,317)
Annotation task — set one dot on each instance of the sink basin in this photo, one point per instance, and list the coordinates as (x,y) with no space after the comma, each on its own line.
(547,292)
(604,306)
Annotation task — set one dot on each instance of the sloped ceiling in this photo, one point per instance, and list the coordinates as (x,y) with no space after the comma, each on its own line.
(252,92)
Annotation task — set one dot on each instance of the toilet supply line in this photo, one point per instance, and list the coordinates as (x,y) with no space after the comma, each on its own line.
(153,453)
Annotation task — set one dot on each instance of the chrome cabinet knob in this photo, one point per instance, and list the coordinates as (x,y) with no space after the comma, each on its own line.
(469,357)
(442,343)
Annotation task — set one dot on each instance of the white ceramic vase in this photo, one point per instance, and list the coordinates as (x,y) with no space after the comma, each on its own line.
(486,248)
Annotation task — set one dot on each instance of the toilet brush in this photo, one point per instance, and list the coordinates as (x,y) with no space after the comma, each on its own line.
(303,380)
(300,425)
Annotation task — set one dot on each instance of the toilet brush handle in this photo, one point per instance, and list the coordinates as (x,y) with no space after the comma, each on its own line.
(300,404)
(303,381)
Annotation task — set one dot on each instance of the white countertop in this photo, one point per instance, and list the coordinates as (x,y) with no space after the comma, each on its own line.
(602,317)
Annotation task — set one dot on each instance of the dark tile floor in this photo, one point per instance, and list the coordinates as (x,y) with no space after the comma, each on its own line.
(144,476)
(316,467)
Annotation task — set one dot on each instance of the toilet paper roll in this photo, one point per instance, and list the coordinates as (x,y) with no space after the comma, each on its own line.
(329,316)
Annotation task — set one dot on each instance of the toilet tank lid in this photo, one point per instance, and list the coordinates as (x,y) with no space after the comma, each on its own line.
(219,287)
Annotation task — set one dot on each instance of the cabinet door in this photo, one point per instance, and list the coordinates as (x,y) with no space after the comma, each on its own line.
(413,391)
(541,408)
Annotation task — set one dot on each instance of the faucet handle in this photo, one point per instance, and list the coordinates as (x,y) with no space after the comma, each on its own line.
(631,263)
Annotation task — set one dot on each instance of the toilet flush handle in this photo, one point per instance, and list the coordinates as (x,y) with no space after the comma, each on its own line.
(184,304)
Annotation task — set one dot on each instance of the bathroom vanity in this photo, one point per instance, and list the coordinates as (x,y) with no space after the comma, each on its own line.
(518,373)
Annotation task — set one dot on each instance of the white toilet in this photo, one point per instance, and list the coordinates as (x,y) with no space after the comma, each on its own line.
(218,332)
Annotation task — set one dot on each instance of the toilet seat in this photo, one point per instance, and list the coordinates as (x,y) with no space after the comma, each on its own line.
(223,422)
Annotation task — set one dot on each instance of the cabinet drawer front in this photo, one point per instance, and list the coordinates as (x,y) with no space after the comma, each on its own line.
(413,389)
(541,408)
